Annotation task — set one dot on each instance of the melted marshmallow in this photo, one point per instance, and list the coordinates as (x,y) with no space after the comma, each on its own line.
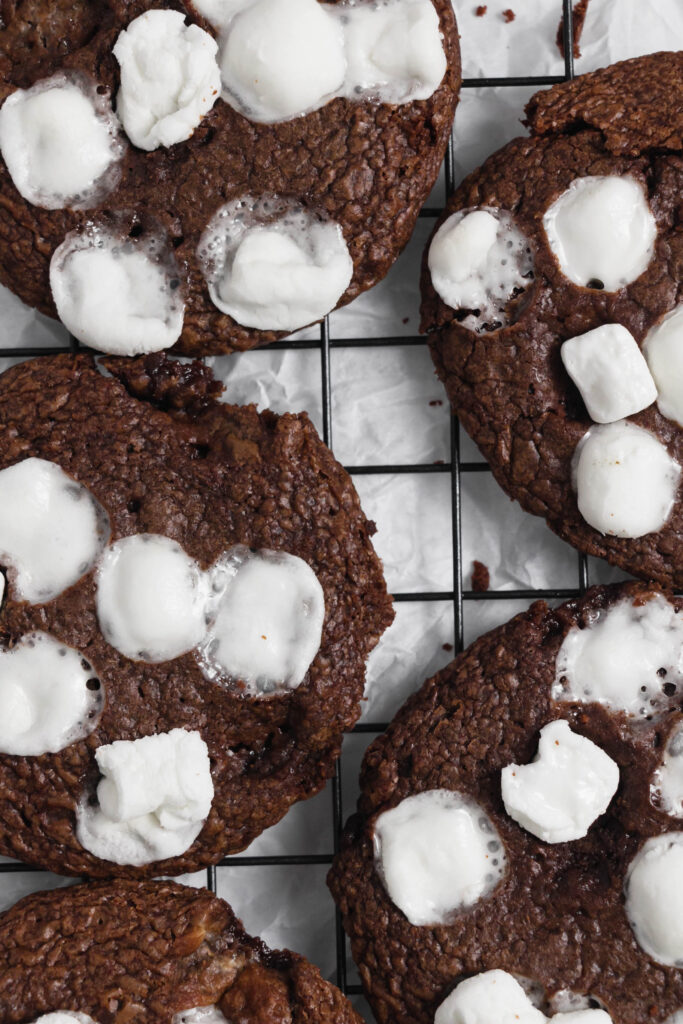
(667,782)
(589,1016)
(478,261)
(488,997)
(437,853)
(153,799)
(64,1017)
(117,295)
(663,349)
(565,1003)
(274,265)
(654,898)
(610,371)
(284,58)
(567,786)
(200,1015)
(51,529)
(602,231)
(151,598)
(49,696)
(268,623)
(626,481)
(169,78)
(60,142)
(623,657)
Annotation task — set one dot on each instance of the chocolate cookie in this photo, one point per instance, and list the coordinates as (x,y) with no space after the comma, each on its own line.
(355,166)
(513,817)
(155,952)
(551,292)
(230,568)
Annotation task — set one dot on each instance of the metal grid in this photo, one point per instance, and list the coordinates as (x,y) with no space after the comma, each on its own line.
(458,595)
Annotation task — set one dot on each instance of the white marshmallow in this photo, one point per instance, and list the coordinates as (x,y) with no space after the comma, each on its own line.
(281,58)
(60,142)
(51,529)
(564,1003)
(602,229)
(610,371)
(45,701)
(654,898)
(437,853)
(115,294)
(567,786)
(272,265)
(152,598)
(663,349)
(626,481)
(200,1015)
(64,1017)
(169,78)
(623,657)
(478,260)
(394,49)
(154,798)
(675,1018)
(667,781)
(268,622)
(582,1017)
(488,997)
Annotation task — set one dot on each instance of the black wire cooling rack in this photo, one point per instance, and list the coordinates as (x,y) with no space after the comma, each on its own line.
(458,595)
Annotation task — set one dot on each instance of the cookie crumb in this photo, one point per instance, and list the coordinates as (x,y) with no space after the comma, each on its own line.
(578,19)
(447,647)
(481,10)
(405,320)
(509,15)
(436,401)
(481,578)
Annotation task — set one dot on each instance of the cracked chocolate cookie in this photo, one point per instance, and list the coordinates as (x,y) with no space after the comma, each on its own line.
(191,594)
(551,293)
(267,170)
(518,839)
(152,952)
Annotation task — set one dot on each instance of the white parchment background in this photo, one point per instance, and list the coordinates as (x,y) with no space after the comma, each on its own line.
(388,407)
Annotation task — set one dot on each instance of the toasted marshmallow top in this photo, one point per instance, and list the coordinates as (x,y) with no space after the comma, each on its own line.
(153,799)
(169,78)
(663,349)
(60,142)
(623,657)
(626,481)
(654,898)
(602,231)
(51,529)
(274,265)
(567,786)
(49,696)
(437,853)
(117,295)
(152,598)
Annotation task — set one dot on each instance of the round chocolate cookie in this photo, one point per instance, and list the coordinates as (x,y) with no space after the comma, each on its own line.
(362,165)
(148,951)
(555,269)
(510,818)
(202,502)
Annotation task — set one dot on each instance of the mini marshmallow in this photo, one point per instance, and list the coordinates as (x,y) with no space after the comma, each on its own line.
(60,142)
(64,1017)
(610,371)
(623,657)
(393,49)
(667,782)
(274,266)
(153,800)
(488,997)
(654,898)
(281,58)
(268,623)
(200,1015)
(437,853)
(169,78)
(49,696)
(626,481)
(478,261)
(51,529)
(663,349)
(567,786)
(152,598)
(117,295)
(602,231)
